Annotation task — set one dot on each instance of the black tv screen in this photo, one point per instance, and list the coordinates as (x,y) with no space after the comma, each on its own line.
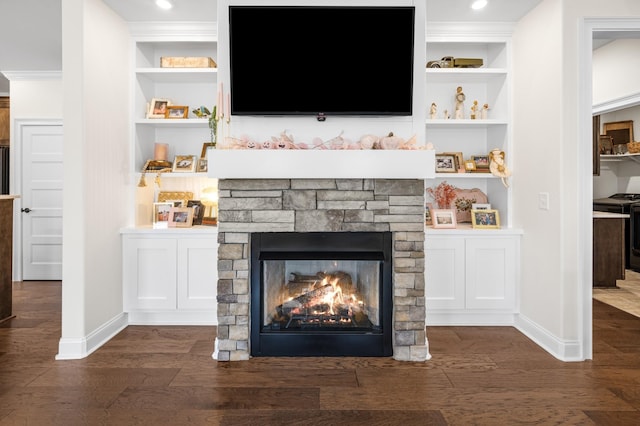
(321,60)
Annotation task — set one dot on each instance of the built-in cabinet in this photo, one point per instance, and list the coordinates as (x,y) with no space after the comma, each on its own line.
(170,276)
(471,275)
(471,278)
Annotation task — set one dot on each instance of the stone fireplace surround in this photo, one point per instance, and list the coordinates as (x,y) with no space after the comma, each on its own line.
(321,205)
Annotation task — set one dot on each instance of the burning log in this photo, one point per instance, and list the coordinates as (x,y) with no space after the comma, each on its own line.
(304,300)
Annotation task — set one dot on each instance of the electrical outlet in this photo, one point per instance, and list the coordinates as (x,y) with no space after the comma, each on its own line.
(543,200)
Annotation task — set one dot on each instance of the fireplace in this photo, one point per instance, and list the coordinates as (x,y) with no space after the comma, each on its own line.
(321,294)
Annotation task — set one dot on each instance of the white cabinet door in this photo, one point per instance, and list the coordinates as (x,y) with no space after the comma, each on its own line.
(491,273)
(149,273)
(198,274)
(445,272)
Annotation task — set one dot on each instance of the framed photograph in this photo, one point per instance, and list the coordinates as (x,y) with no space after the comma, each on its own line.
(202,165)
(482,163)
(175,111)
(428,220)
(478,206)
(469,166)
(459,159)
(158,108)
(485,219)
(605,144)
(621,132)
(446,163)
(161,214)
(443,218)
(205,147)
(180,217)
(184,163)
(198,211)
(178,198)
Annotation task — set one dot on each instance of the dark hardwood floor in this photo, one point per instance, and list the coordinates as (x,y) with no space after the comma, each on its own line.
(165,376)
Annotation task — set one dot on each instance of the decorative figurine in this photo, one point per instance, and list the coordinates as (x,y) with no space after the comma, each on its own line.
(460,98)
(474,110)
(498,167)
(484,113)
(433,111)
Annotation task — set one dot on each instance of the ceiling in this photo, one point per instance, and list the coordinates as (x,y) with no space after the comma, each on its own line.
(31,30)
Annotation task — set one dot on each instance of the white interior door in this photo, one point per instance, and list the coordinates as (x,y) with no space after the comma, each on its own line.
(41,192)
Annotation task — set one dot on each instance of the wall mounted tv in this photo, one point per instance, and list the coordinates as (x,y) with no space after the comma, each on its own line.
(321,60)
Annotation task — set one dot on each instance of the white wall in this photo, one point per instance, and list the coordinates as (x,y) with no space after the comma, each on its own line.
(615,70)
(97,177)
(552,128)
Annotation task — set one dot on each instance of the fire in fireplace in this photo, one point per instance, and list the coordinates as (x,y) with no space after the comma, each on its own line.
(321,294)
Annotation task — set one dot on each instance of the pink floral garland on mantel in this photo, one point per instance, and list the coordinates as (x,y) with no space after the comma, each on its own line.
(285,141)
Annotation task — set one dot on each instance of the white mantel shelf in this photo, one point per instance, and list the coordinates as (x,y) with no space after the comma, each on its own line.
(320,164)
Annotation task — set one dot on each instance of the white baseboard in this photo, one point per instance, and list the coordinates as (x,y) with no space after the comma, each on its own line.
(173,318)
(564,350)
(467,318)
(81,347)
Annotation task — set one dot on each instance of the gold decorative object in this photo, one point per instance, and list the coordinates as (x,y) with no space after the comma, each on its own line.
(175,195)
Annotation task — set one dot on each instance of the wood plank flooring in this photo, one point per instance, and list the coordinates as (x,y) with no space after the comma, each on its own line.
(166,376)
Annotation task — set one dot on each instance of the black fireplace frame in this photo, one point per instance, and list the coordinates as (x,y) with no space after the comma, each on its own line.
(329,246)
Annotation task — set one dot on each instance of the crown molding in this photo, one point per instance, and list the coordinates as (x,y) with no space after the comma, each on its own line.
(617,104)
(464,30)
(175,30)
(32,75)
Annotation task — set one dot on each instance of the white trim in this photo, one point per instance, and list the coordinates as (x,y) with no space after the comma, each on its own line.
(174,30)
(15,183)
(78,348)
(32,75)
(616,104)
(466,318)
(452,31)
(207,317)
(564,350)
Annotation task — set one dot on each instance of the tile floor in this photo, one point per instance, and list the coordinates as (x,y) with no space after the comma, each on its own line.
(625,297)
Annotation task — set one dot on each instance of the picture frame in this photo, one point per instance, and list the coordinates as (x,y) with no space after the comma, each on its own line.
(469,166)
(202,165)
(198,211)
(184,164)
(485,219)
(176,112)
(158,108)
(205,147)
(481,162)
(459,159)
(621,132)
(479,206)
(444,218)
(161,214)
(605,145)
(446,163)
(180,217)
(175,196)
(428,219)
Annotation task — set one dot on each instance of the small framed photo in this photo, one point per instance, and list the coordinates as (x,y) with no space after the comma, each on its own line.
(198,211)
(158,108)
(482,163)
(443,218)
(459,159)
(161,214)
(478,206)
(175,111)
(428,220)
(184,163)
(469,166)
(446,163)
(485,219)
(202,165)
(180,217)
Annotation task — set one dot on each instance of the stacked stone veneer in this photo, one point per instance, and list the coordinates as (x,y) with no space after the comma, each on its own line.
(321,205)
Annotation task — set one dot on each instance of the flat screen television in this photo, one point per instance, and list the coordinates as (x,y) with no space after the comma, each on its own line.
(321,60)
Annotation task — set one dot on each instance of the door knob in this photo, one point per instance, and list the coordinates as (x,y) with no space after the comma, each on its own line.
(27,210)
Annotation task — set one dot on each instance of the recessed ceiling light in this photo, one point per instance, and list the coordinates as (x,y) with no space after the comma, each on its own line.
(164,4)
(478,4)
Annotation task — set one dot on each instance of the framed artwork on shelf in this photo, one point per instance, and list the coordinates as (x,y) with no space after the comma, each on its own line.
(175,197)
(469,166)
(446,163)
(158,108)
(621,132)
(605,144)
(459,159)
(180,217)
(175,111)
(161,214)
(184,163)
(482,163)
(205,147)
(485,219)
(478,206)
(198,211)
(443,218)
(428,220)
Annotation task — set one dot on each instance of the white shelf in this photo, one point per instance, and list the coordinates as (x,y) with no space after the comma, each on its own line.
(467,229)
(174,122)
(452,123)
(468,75)
(620,157)
(465,176)
(179,75)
